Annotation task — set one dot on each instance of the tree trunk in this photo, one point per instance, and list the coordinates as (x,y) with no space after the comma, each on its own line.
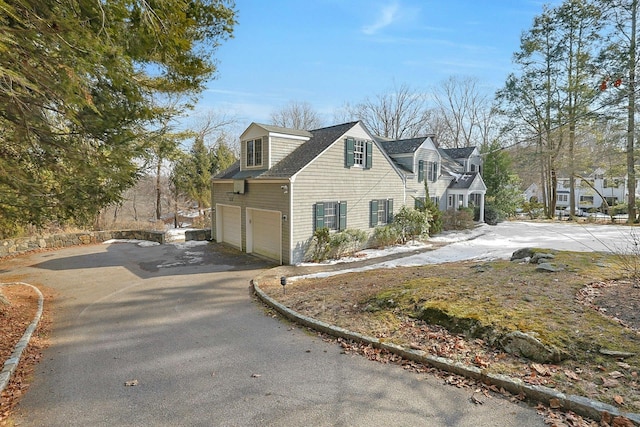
(631,171)
(553,197)
(175,210)
(158,192)
(135,207)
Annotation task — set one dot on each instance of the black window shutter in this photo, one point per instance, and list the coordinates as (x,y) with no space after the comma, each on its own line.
(343,216)
(348,152)
(420,170)
(369,155)
(319,216)
(373,215)
(389,211)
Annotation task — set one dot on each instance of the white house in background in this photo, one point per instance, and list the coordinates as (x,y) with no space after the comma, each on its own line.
(533,193)
(613,189)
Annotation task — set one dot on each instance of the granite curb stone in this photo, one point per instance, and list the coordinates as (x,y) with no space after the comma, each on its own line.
(580,405)
(11,364)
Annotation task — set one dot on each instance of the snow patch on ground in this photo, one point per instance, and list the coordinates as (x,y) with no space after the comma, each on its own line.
(486,243)
(371,253)
(190,244)
(140,243)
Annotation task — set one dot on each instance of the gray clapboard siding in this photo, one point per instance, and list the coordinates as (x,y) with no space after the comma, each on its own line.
(262,195)
(326,179)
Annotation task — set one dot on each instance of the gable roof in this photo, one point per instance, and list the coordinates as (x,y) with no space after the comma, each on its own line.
(448,163)
(402,146)
(320,140)
(459,153)
(301,156)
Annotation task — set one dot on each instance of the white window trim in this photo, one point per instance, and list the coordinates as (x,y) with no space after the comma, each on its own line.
(359,148)
(252,142)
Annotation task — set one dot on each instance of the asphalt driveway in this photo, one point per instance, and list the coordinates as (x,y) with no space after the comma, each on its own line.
(177,323)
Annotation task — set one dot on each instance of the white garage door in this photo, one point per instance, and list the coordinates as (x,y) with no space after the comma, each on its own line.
(266,233)
(228,229)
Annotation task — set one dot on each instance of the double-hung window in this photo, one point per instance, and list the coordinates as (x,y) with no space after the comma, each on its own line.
(332,215)
(254,152)
(358,153)
(431,170)
(381,212)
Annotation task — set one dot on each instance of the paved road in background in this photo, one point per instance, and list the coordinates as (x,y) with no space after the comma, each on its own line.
(180,323)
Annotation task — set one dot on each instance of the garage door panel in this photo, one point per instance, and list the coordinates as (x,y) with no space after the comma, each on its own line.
(267,234)
(231,229)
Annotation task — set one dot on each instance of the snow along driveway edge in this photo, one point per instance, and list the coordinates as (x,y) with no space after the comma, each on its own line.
(580,405)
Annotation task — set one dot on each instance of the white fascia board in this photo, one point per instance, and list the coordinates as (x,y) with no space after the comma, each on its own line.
(286,135)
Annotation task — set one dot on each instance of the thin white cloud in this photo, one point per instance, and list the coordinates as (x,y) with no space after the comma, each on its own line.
(387,16)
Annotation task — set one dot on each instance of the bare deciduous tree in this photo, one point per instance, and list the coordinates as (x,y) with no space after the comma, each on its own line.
(296,115)
(464,113)
(400,113)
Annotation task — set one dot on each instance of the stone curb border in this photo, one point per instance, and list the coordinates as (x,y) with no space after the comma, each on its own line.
(580,405)
(11,364)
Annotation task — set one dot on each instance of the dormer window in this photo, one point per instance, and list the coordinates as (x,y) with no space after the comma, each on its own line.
(254,152)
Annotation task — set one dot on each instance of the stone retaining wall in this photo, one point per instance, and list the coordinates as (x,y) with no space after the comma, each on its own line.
(26,244)
(201,234)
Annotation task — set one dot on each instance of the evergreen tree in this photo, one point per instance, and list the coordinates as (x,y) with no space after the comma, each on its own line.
(78,83)
(221,157)
(503,192)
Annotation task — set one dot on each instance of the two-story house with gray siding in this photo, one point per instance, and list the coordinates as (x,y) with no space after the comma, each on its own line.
(288,183)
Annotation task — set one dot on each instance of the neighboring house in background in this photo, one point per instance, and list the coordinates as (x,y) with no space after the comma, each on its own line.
(533,193)
(288,183)
(613,189)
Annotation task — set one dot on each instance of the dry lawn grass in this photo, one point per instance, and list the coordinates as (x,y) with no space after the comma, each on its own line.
(501,296)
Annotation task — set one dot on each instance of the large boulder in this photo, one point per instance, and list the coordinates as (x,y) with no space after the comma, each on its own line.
(526,345)
(522,254)
(541,257)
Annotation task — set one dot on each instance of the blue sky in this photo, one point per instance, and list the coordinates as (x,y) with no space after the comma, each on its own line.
(328,52)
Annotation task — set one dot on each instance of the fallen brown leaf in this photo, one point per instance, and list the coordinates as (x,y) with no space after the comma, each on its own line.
(555,403)
(475,400)
(622,422)
(540,369)
(571,375)
(619,400)
(610,383)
